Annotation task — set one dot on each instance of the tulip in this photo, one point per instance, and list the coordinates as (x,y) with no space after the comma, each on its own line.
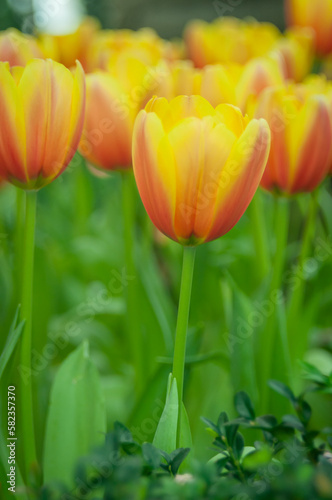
(113,100)
(68,48)
(215,83)
(228,40)
(295,52)
(232,84)
(42,111)
(143,44)
(257,75)
(196,167)
(17,49)
(316,15)
(109,120)
(301,138)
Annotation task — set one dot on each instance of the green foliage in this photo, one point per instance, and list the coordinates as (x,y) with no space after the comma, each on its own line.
(76,418)
(291,462)
(14,334)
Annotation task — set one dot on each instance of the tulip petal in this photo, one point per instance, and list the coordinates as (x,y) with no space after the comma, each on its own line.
(153,164)
(219,141)
(46,89)
(12,129)
(310,142)
(189,106)
(240,177)
(77,116)
(106,139)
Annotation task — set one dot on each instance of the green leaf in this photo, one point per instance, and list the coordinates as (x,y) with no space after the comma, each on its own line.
(257,458)
(244,405)
(76,420)
(210,425)
(185,432)
(240,341)
(238,446)
(266,422)
(166,432)
(283,390)
(12,339)
(176,459)
(151,455)
(293,422)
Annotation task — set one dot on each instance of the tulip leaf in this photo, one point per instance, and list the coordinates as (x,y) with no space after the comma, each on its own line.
(240,338)
(166,432)
(12,339)
(185,432)
(76,420)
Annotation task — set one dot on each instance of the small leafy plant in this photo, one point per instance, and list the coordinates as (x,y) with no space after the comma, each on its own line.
(291,460)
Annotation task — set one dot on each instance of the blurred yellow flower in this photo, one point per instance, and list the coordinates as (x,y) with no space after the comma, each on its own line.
(295,52)
(17,49)
(230,84)
(314,14)
(228,40)
(68,48)
(143,44)
(301,140)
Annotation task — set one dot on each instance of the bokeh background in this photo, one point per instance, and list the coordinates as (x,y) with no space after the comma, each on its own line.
(167,17)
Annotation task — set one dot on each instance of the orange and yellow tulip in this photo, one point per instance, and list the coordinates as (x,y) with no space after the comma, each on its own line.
(17,49)
(197,167)
(231,84)
(258,74)
(314,14)
(295,51)
(42,112)
(144,44)
(215,83)
(113,100)
(228,40)
(66,49)
(301,138)
(109,120)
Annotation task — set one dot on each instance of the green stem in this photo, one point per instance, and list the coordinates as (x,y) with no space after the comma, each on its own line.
(20,217)
(296,298)
(182,324)
(133,313)
(257,215)
(26,314)
(268,339)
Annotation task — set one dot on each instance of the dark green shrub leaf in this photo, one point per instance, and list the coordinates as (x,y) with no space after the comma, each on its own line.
(151,455)
(244,405)
(293,422)
(238,446)
(282,389)
(176,459)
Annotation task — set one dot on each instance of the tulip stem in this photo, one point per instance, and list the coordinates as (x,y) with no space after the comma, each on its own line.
(182,325)
(296,298)
(260,234)
(20,216)
(26,314)
(133,313)
(269,342)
